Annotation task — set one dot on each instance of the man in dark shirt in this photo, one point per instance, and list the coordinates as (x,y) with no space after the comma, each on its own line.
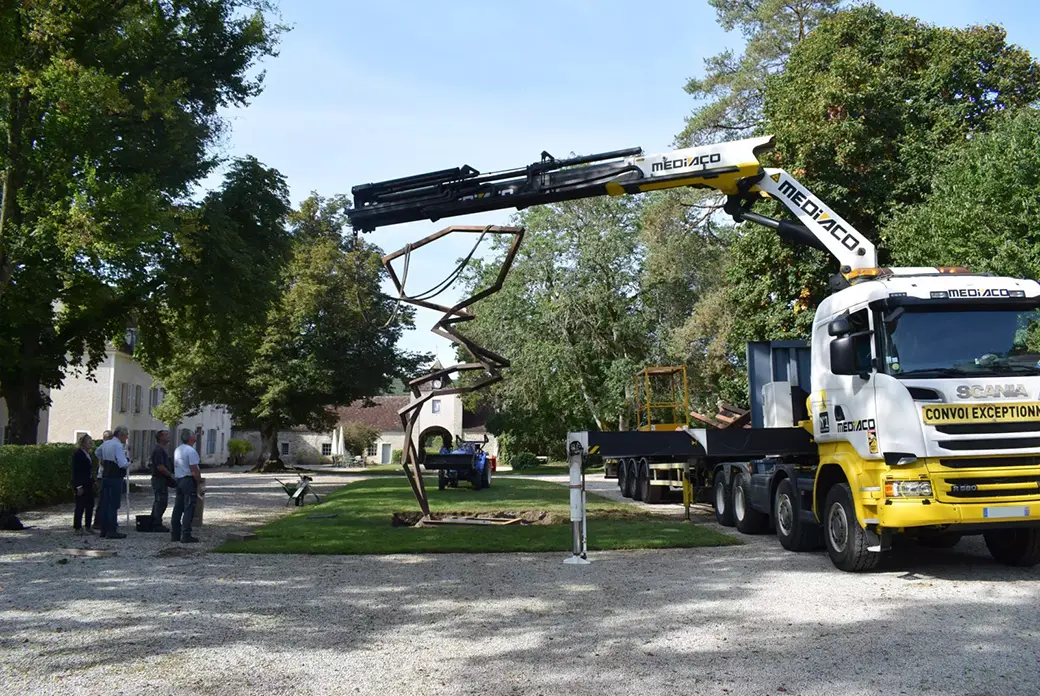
(160,468)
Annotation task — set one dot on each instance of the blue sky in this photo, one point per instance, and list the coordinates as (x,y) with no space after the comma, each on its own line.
(366,90)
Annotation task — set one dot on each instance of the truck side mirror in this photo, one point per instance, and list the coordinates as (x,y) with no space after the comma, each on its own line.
(843,354)
(839,327)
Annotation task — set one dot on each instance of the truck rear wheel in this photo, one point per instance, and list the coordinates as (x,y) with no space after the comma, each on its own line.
(1014,547)
(746,519)
(627,469)
(442,480)
(723,508)
(486,474)
(793,532)
(640,479)
(846,539)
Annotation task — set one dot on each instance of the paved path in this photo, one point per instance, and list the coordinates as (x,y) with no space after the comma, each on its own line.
(738,620)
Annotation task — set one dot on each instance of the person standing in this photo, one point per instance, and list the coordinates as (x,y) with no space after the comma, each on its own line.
(114,466)
(161,474)
(189,478)
(105,437)
(83,484)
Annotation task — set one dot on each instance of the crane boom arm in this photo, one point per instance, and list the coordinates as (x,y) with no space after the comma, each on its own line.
(730,168)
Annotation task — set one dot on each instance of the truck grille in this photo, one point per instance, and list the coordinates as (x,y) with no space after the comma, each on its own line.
(991,487)
(987,428)
(991,444)
(988,462)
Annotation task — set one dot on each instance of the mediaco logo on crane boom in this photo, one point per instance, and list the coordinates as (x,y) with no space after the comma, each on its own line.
(818,213)
(702,161)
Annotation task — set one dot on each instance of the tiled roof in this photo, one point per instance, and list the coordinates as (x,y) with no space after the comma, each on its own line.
(382,414)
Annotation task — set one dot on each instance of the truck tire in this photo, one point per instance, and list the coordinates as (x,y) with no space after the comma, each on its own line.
(1014,547)
(477,479)
(640,480)
(794,534)
(654,494)
(485,476)
(722,503)
(442,480)
(746,520)
(629,477)
(846,540)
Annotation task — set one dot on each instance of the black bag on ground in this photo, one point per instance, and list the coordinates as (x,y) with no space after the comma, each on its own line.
(144,523)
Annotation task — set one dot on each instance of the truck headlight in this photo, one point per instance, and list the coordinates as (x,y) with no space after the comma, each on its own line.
(908,489)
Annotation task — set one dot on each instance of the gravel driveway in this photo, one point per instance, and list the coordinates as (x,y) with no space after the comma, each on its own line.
(736,620)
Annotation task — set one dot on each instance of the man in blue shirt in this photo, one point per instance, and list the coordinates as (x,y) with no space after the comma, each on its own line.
(114,465)
(189,478)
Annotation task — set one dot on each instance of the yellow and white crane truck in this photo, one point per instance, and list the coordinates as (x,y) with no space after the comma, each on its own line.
(921,415)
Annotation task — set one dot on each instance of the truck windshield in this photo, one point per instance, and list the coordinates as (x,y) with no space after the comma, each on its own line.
(984,342)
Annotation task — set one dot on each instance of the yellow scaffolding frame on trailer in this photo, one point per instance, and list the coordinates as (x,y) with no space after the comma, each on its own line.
(662,398)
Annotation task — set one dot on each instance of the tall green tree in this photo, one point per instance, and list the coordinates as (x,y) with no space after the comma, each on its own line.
(733,87)
(568,318)
(107,113)
(983,207)
(865,107)
(302,326)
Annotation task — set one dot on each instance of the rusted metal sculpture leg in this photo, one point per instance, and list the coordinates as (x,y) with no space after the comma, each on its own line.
(488,363)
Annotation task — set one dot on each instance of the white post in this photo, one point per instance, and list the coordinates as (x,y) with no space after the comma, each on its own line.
(576,447)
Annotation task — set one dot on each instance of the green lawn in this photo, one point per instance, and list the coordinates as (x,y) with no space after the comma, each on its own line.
(363,511)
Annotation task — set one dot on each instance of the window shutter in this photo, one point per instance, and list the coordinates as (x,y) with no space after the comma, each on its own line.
(138,391)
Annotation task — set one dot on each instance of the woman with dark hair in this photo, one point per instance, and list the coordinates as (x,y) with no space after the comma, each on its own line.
(83,484)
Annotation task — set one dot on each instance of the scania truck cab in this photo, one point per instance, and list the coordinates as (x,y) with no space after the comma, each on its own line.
(925,402)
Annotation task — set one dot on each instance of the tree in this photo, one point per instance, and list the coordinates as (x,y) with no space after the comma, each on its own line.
(568,318)
(867,103)
(358,437)
(735,85)
(983,205)
(314,334)
(107,112)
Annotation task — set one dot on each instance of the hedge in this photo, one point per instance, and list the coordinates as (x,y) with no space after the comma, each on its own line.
(35,475)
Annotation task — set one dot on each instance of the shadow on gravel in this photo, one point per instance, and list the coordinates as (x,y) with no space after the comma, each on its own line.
(733,620)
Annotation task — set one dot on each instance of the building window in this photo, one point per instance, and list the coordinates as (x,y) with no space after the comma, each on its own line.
(222,443)
(435,405)
(372,450)
(211,441)
(121,392)
(285,449)
(138,392)
(326,449)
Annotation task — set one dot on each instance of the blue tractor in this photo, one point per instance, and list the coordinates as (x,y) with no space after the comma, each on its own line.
(466,462)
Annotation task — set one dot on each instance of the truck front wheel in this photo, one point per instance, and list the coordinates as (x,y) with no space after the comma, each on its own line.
(1014,547)
(846,540)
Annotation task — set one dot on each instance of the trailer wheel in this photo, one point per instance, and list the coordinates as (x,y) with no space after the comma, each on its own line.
(846,540)
(723,509)
(793,533)
(654,494)
(623,479)
(640,480)
(442,480)
(1014,547)
(746,519)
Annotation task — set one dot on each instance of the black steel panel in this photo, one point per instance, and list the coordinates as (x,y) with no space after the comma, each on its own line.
(642,443)
(738,444)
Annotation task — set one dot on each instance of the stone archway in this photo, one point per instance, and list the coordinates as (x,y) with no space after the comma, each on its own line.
(434,436)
